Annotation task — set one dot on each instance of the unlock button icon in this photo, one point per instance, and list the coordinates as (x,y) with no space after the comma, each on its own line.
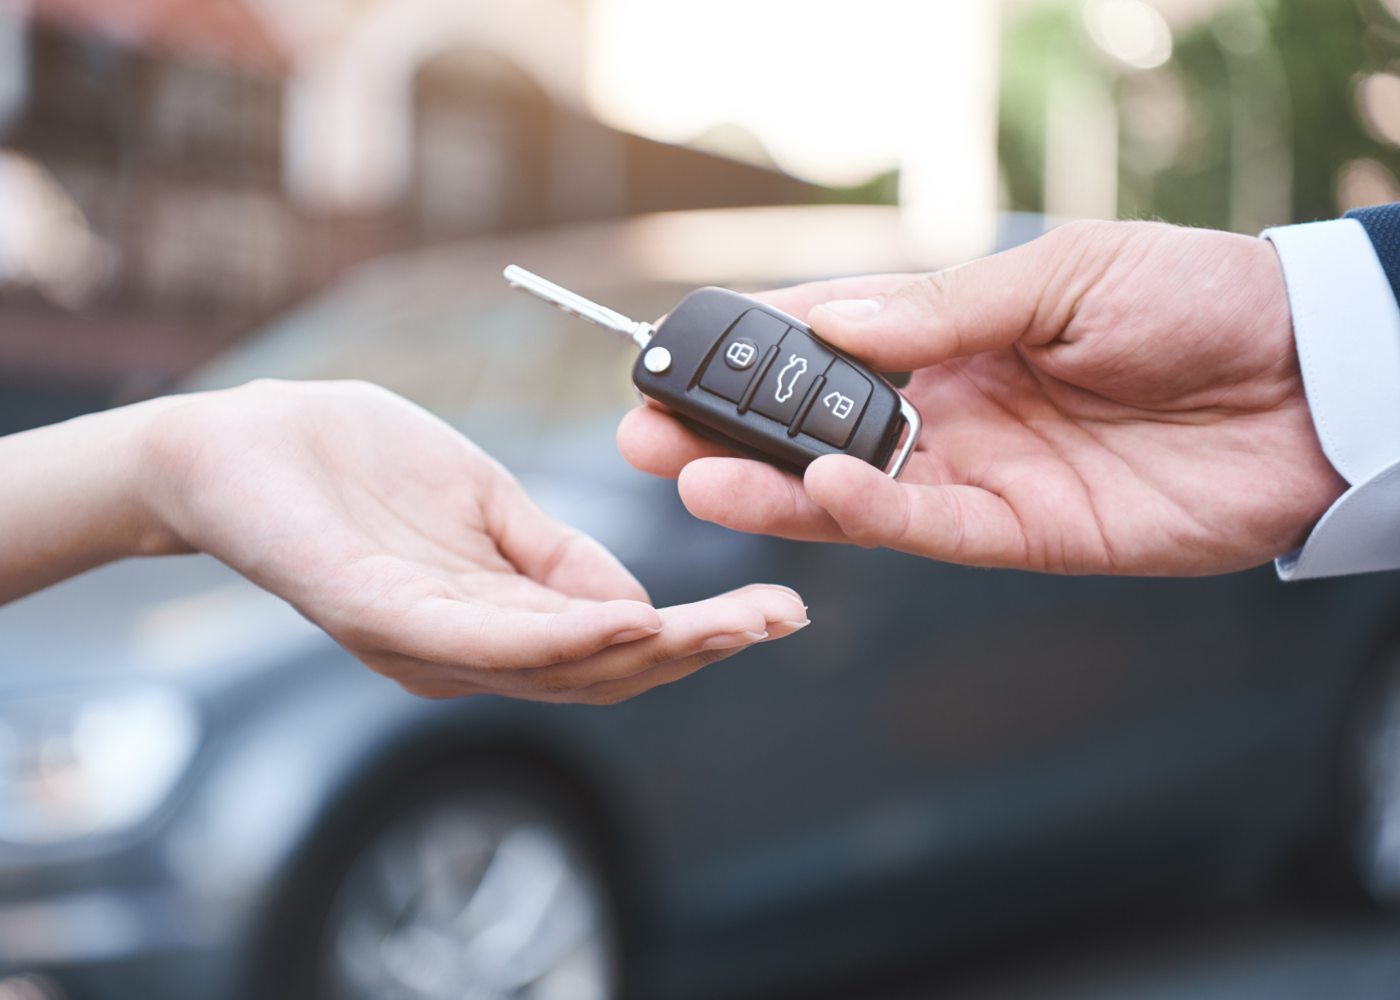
(839,405)
(838,410)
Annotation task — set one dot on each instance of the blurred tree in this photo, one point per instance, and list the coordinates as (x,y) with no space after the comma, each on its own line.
(1250,122)
(1327,47)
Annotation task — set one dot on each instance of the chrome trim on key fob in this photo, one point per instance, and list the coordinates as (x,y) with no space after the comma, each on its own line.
(911,416)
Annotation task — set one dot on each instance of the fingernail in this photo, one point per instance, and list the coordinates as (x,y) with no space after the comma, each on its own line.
(794,626)
(633,634)
(853,308)
(732,639)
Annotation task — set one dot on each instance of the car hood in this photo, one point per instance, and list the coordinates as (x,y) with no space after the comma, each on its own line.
(168,617)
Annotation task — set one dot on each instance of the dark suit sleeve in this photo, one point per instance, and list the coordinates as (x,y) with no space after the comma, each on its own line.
(1382,224)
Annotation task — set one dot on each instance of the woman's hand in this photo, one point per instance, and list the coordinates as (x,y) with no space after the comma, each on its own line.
(403,540)
(1112,398)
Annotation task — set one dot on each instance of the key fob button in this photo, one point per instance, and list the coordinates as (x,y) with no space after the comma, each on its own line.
(741,354)
(800,360)
(838,408)
(731,368)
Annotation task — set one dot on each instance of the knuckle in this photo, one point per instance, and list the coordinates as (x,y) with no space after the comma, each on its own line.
(865,531)
(710,657)
(566,548)
(955,518)
(1078,240)
(355,634)
(864,536)
(653,658)
(932,299)
(929,288)
(611,696)
(557,645)
(1079,231)
(556,681)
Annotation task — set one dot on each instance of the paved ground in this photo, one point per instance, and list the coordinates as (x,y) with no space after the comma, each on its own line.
(1244,954)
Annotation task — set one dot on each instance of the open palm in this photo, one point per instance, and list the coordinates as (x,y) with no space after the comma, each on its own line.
(1113,398)
(423,556)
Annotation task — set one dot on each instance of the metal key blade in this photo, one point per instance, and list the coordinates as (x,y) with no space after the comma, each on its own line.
(635,331)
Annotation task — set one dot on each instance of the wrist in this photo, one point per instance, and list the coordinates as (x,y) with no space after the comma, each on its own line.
(108,494)
(157,482)
(99,484)
(84,499)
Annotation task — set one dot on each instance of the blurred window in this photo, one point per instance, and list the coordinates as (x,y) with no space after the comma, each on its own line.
(215,120)
(81,89)
(481,145)
(221,248)
(464,170)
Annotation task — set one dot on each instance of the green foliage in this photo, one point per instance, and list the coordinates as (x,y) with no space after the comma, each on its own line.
(1264,89)
(1325,46)
(1044,43)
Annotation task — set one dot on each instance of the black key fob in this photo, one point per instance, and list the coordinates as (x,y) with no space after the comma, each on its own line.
(760,382)
(755,379)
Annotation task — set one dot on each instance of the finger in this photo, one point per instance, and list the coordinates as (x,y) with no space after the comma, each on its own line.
(727,622)
(799,300)
(603,693)
(618,674)
(612,692)
(980,306)
(955,523)
(461,635)
(750,496)
(433,689)
(554,554)
(655,442)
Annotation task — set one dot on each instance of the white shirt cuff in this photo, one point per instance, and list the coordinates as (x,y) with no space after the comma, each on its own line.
(1346,324)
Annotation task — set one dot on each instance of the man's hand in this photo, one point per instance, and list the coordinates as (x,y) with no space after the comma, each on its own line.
(418,552)
(1112,398)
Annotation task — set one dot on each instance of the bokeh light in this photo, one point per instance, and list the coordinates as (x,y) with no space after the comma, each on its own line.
(1131,31)
(1366,182)
(1378,101)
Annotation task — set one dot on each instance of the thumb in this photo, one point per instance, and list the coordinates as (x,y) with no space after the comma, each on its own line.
(558,556)
(953,523)
(980,306)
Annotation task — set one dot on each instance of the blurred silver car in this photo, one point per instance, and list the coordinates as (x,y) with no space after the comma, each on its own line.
(200,795)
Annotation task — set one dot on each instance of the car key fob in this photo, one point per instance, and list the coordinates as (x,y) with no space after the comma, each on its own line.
(755,379)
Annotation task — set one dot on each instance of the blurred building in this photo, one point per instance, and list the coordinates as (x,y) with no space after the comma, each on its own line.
(142,203)
(173,172)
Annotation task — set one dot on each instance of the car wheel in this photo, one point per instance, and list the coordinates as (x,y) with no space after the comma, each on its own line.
(1371,781)
(481,891)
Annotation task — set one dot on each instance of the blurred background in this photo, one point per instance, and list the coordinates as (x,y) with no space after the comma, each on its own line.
(173,173)
(197,192)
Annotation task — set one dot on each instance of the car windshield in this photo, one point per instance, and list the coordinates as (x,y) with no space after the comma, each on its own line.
(513,373)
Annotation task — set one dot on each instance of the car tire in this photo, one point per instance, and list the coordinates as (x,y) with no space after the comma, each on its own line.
(1366,842)
(481,882)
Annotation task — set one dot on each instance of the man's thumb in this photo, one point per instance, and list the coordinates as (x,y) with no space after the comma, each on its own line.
(980,306)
